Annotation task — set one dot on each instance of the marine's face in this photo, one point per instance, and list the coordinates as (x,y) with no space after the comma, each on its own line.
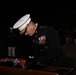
(29,30)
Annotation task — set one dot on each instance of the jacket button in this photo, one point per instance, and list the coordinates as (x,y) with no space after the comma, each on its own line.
(35,35)
(54,59)
(41,50)
(46,47)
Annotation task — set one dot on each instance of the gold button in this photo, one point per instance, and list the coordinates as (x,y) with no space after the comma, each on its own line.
(35,31)
(33,40)
(54,59)
(46,47)
(35,35)
(41,50)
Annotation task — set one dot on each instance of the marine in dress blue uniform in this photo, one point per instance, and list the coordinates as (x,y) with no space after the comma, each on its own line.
(45,42)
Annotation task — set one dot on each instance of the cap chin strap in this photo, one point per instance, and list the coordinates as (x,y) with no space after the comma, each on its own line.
(23,30)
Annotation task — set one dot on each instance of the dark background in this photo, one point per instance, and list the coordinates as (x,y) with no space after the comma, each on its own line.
(59,14)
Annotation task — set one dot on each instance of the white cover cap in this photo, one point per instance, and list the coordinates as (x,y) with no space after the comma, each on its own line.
(22,22)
